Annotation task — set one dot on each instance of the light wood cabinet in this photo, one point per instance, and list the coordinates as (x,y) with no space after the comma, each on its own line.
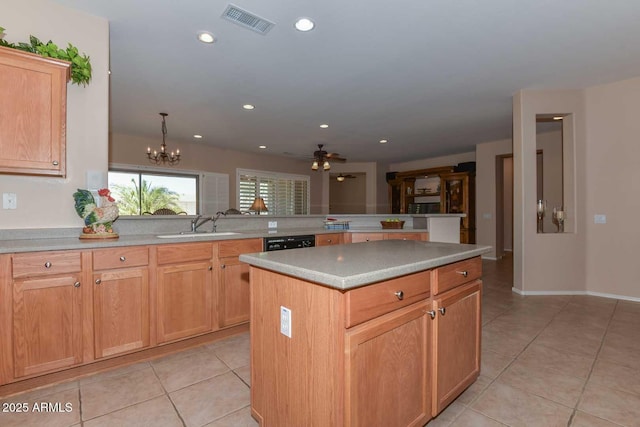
(329,239)
(33,114)
(184,289)
(455,348)
(233,280)
(387,370)
(364,350)
(120,300)
(356,237)
(47,312)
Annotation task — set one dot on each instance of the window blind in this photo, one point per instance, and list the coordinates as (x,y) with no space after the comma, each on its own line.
(283,194)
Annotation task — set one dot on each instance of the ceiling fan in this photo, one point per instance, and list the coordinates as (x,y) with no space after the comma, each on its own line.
(341,177)
(321,156)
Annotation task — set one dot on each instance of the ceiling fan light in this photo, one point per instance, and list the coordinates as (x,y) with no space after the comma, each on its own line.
(314,166)
(326,166)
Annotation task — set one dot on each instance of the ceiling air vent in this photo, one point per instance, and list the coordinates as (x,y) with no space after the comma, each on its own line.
(247,19)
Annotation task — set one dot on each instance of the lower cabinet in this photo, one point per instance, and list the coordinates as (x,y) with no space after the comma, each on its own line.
(388,356)
(368,237)
(455,342)
(233,280)
(47,305)
(47,324)
(329,239)
(184,289)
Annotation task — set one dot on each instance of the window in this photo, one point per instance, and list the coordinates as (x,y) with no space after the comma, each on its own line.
(143,193)
(283,194)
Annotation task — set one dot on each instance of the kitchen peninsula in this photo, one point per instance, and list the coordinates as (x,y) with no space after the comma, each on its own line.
(377,333)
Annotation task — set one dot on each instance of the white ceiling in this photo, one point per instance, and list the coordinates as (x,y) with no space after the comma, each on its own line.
(434,77)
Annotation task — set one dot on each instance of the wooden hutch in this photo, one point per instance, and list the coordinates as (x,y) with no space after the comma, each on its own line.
(436,190)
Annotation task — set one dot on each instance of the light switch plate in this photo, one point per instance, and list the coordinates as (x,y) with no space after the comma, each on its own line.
(273,224)
(599,219)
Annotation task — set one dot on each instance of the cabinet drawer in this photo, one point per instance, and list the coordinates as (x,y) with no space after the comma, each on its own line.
(375,300)
(452,275)
(238,247)
(328,239)
(406,236)
(42,263)
(171,254)
(105,259)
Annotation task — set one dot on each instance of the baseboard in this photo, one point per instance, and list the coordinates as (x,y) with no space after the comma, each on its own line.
(590,293)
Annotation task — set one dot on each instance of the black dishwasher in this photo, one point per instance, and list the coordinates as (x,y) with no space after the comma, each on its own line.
(281,243)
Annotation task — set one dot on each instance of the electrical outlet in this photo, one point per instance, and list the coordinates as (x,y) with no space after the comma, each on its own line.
(273,224)
(285,321)
(9,201)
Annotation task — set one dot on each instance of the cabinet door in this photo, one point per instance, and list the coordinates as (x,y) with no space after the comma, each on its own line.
(387,374)
(47,324)
(234,291)
(33,113)
(121,311)
(456,343)
(328,239)
(185,300)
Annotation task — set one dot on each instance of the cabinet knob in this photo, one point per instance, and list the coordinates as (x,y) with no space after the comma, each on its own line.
(223,266)
(464,273)
(123,258)
(211,268)
(76,285)
(399,294)
(431,314)
(442,310)
(47,264)
(98,281)
(367,240)
(55,163)
(328,240)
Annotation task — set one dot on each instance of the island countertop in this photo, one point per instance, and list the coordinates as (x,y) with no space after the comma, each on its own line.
(358,264)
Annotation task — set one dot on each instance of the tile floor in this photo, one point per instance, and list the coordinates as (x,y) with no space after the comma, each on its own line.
(546,361)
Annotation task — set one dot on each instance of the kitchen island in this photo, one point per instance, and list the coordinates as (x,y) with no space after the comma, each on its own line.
(377,333)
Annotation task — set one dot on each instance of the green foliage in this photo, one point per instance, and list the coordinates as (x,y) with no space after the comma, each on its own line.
(136,201)
(80,63)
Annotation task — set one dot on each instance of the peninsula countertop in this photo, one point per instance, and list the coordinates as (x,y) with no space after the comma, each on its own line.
(358,264)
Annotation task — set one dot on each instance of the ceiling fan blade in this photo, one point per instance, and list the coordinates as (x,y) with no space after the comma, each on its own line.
(335,157)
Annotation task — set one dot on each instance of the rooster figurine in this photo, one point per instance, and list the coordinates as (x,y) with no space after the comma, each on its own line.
(97,219)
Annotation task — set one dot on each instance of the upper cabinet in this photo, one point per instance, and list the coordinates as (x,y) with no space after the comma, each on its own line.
(33,113)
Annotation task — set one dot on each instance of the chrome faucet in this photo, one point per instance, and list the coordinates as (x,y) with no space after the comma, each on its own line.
(200,220)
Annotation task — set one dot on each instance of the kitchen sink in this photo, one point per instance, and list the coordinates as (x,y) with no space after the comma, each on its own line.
(190,234)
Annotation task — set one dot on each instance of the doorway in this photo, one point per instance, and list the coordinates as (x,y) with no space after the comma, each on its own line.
(348,193)
(504,204)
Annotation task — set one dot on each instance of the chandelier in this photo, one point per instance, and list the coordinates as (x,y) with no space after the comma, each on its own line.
(163,156)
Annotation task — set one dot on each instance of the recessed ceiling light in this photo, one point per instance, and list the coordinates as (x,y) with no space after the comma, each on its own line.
(324,126)
(206,37)
(558,118)
(383,141)
(304,24)
(262,146)
(197,136)
(248,107)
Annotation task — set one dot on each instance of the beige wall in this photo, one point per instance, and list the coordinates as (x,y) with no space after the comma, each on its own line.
(552,262)
(127,149)
(486,214)
(48,202)
(613,183)
(433,162)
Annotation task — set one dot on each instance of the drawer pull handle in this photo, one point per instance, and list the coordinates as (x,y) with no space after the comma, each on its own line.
(76,285)
(47,264)
(123,258)
(400,295)
(432,314)
(98,281)
(464,273)
(442,310)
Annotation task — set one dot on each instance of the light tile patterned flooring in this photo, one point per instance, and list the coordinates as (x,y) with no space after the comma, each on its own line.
(546,361)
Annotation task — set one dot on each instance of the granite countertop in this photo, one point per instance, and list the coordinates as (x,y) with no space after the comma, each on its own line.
(33,244)
(357,264)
